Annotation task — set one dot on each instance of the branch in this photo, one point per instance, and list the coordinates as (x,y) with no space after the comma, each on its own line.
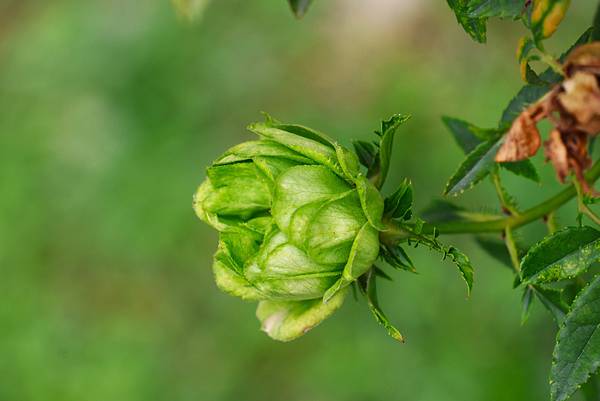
(397,232)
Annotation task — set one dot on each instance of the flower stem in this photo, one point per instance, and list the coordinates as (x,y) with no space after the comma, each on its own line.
(551,62)
(396,230)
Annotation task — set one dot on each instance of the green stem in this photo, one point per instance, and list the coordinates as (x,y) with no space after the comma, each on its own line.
(511,246)
(503,196)
(397,231)
(551,62)
(583,208)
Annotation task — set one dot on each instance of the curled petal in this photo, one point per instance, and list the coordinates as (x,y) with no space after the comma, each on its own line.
(333,229)
(301,185)
(235,248)
(239,189)
(308,147)
(285,272)
(288,320)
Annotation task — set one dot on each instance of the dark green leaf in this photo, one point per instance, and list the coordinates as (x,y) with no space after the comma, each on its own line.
(380,273)
(562,255)
(527,95)
(459,259)
(299,7)
(396,257)
(474,168)
(596,27)
(440,210)
(592,144)
(368,287)
(366,152)
(552,300)
(523,168)
(467,135)
(399,204)
(496,8)
(475,27)
(464,266)
(496,249)
(530,76)
(526,302)
(380,169)
(577,351)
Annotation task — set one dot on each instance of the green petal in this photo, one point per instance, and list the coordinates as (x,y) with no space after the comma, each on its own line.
(273,167)
(259,224)
(333,229)
(301,185)
(371,201)
(286,321)
(204,191)
(300,222)
(305,132)
(365,251)
(310,148)
(238,189)
(229,278)
(284,271)
(241,245)
(251,149)
(348,161)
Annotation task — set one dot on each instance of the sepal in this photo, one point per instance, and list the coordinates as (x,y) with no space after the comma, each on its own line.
(363,254)
(368,287)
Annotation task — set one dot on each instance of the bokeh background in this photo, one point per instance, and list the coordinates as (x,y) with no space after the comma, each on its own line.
(109,113)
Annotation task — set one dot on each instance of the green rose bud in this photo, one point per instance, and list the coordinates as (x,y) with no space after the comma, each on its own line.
(298,223)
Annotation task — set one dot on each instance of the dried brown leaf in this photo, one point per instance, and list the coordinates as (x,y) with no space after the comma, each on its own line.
(523,138)
(573,107)
(556,152)
(583,58)
(580,98)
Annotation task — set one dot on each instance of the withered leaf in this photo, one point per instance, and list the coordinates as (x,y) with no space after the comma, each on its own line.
(556,152)
(523,138)
(583,58)
(573,107)
(580,98)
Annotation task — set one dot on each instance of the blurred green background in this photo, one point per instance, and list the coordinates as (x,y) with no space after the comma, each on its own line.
(110,111)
